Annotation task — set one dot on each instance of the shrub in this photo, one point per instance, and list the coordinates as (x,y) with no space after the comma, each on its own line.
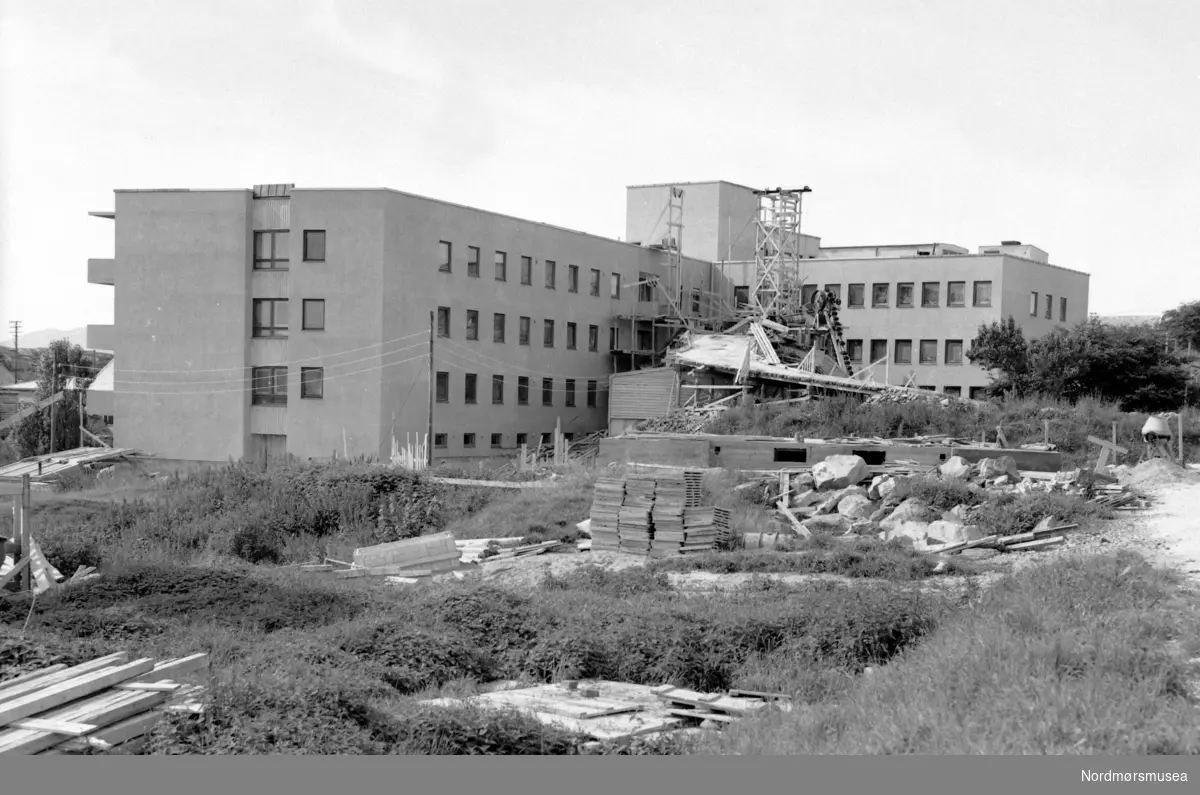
(415,658)
(621,583)
(1010,514)
(864,557)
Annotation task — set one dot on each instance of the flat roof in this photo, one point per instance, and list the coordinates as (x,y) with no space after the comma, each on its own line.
(922,259)
(892,245)
(693,182)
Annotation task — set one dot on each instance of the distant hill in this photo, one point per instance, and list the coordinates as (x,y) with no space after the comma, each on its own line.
(42,338)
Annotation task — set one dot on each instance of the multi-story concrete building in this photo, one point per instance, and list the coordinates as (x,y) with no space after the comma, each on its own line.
(914,309)
(253,323)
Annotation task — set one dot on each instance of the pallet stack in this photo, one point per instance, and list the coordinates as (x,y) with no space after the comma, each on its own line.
(606,508)
(722,522)
(101,704)
(699,530)
(670,497)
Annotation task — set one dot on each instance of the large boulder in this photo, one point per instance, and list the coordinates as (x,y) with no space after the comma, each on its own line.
(912,532)
(831,523)
(896,488)
(838,472)
(830,504)
(856,506)
(952,532)
(955,468)
(873,489)
(990,468)
(911,510)
(802,481)
(807,498)
(880,514)
(864,528)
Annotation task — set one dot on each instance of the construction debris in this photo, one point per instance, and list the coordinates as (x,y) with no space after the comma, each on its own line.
(655,516)
(48,467)
(106,703)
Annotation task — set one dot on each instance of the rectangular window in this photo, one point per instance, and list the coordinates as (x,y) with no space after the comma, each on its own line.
(645,287)
(439,440)
(526,270)
(470,388)
(269,386)
(473,262)
(854,350)
(741,296)
(312,382)
(522,438)
(594,283)
(442,389)
(312,314)
(271,250)
(496,439)
(591,394)
(593,338)
(1049,306)
(570,392)
(314,245)
(645,340)
(522,390)
(808,292)
(836,289)
(956,293)
(497,327)
(1062,310)
(695,302)
(270,317)
(904,294)
(548,334)
(571,336)
(879,294)
(472,324)
(982,294)
(856,296)
(445,252)
(497,390)
(979,393)
(954,391)
(501,266)
(954,351)
(551,273)
(930,293)
(572,278)
(614,338)
(903,351)
(468,440)
(614,286)
(928,351)
(443,321)
(547,391)
(523,332)
(878,350)
(1033,304)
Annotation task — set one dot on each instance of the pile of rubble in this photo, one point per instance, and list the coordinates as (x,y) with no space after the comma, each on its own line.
(680,422)
(898,396)
(832,498)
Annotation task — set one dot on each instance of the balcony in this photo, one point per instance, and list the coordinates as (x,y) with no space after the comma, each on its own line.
(102,271)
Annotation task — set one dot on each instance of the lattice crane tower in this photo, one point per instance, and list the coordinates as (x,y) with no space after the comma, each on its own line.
(778,251)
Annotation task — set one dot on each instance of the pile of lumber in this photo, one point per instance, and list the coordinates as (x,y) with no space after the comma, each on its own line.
(106,703)
(1041,537)
(423,556)
(717,707)
(606,508)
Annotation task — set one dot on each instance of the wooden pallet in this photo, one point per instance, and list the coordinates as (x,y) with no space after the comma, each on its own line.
(100,704)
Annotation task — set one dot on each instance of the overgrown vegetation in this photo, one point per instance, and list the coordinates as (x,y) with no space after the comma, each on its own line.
(1074,656)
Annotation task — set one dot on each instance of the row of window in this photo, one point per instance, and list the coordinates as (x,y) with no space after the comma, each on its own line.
(471,390)
(497,440)
(271,316)
(271,248)
(550,270)
(902,351)
(1049,303)
(524,325)
(269,385)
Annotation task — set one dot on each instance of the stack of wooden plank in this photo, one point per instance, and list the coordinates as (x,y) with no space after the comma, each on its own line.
(433,553)
(699,529)
(639,492)
(100,704)
(606,507)
(670,496)
(716,707)
(722,521)
(634,529)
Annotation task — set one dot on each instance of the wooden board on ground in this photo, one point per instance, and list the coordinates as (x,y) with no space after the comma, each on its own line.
(411,552)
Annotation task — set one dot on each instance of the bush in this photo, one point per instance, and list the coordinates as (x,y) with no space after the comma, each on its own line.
(1010,514)
(864,557)
(415,658)
(621,583)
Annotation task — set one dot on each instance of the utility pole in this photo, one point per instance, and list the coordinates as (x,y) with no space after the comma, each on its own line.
(429,427)
(53,392)
(16,332)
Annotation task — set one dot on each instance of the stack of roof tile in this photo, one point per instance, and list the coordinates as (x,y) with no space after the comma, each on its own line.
(605,515)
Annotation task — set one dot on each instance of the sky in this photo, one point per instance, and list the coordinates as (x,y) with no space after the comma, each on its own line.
(1070,125)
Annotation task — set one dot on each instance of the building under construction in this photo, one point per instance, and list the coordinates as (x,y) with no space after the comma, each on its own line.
(319,323)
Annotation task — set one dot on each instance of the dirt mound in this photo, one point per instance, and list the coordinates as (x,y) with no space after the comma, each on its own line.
(1157,472)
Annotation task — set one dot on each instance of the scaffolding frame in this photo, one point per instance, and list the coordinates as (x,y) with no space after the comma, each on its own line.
(777,253)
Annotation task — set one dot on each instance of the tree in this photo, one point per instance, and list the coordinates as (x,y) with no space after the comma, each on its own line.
(58,364)
(1182,324)
(1001,349)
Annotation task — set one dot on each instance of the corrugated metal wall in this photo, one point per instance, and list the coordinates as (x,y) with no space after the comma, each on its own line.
(642,394)
(272,214)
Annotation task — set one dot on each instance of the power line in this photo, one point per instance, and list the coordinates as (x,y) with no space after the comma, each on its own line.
(461,368)
(469,355)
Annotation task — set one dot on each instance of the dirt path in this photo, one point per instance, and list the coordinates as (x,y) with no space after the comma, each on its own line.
(1170,528)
